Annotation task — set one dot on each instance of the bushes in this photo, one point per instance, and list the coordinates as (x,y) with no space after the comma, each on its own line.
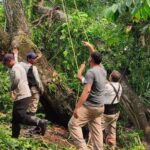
(5,100)
(6,142)
(129,138)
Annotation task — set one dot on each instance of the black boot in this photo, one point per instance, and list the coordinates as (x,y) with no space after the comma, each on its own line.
(31,113)
(15,130)
(43,126)
(37,129)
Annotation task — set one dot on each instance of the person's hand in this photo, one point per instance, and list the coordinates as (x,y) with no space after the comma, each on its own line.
(13,95)
(39,54)
(86,44)
(89,46)
(15,50)
(76,113)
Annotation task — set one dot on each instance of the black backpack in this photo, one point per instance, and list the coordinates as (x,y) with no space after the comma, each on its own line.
(31,77)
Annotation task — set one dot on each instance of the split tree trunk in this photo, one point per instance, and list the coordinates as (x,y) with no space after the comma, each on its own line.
(135,109)
(58,100)
(4,42)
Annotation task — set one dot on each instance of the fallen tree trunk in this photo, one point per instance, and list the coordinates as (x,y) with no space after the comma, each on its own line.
(58,99)
(135,109)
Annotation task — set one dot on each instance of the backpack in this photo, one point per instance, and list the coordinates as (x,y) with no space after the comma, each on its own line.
(31,77)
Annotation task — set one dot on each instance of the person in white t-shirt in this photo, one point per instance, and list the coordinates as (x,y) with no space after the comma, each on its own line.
(113,91)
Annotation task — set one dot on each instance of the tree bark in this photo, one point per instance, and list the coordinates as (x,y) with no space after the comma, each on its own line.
(58,99)
(4,42)
(16,20)
(135,109)
(55,14)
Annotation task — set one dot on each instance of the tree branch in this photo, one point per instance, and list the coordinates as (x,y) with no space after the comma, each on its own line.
(53,13)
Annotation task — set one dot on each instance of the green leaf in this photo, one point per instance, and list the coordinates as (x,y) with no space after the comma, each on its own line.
(65,53)
(114,8)
(128,3)
(143,14)
(148,2)
(147,9)
(138,16)
(108,13)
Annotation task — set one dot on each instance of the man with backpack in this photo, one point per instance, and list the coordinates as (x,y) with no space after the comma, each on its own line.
(21,96)
(33,77)
(34,81)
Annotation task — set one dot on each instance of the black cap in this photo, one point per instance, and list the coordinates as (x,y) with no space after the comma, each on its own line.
(31,55)
(8,57)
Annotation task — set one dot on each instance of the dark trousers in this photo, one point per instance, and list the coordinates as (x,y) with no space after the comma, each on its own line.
(20,116)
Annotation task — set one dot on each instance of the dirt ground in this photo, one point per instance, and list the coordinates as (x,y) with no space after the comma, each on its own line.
(54,135)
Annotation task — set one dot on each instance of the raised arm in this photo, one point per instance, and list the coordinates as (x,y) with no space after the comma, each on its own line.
(89,46)
(15,52)
(80,72)
(39,55)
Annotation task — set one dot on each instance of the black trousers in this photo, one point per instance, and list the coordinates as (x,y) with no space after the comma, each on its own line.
(20,116)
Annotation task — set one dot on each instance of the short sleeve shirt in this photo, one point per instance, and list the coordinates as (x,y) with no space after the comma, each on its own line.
(110,93)
(97,77)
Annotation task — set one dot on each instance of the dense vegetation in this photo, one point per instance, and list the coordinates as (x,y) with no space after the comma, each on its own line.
(119,29)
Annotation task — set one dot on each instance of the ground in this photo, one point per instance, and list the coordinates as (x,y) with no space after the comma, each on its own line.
(55,134)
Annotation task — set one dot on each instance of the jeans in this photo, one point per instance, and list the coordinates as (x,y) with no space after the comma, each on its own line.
(20,116)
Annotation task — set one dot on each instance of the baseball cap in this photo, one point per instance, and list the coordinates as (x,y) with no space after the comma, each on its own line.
(31,55)
(7,57)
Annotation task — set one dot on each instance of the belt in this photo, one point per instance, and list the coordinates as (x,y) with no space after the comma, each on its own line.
(111,109)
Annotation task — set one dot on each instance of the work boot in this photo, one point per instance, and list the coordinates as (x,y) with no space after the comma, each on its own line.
(35,130)
(15,130)
(31,113)
(43,125)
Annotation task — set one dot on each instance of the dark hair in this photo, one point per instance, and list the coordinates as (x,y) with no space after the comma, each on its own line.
(97,57)
(115,76)
(8,57)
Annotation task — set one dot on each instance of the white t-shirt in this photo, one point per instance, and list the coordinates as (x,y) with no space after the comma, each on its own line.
(26,66)
(19,82)
(110,93)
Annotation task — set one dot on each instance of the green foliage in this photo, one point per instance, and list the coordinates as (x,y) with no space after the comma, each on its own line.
(137,10)
(5,102)
(2,16)
(6,142)
(135,15)
(64,50)
(5,118)
(63,47)
(28,4)
(129,139)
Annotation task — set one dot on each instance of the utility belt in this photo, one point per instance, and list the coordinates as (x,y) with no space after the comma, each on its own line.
(32,85)
(111,109)
(34,89)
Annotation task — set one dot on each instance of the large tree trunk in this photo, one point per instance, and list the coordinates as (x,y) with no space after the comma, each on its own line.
(4,42)
(135,109)
(58,100)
